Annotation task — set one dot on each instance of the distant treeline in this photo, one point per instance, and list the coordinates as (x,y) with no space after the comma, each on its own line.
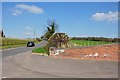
(116,40)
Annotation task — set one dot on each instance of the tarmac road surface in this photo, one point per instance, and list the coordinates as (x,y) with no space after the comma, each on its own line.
(11,52)
(21,63)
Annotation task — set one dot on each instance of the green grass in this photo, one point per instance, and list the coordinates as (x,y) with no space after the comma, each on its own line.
(13,43)
(41,50)
(88,43)
(12,46)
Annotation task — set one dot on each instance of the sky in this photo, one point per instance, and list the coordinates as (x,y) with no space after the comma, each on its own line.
(60,0)
(77,19)
(0,15)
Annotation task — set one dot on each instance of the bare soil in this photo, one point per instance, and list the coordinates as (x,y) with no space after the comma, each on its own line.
(109,52)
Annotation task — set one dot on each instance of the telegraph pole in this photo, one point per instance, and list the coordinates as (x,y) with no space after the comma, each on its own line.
(34,35)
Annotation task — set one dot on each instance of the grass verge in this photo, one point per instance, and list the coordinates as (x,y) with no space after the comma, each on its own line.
(14,46)
(41,50)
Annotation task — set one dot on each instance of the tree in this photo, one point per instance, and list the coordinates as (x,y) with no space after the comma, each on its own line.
(52,26)
(2,34)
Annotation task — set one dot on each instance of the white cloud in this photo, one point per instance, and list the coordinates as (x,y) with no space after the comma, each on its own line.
(27,33)
(16,12)
(110,16)
(20,8)
(29,30)
(27,27)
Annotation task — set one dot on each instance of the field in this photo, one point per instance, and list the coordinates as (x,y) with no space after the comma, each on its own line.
(101,52)
(12,42)
(88,43)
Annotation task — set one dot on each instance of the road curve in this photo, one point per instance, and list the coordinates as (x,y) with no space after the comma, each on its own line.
(28,65)
(11,52)
(21,63)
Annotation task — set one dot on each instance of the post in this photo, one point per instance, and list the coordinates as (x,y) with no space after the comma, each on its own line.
(34,35)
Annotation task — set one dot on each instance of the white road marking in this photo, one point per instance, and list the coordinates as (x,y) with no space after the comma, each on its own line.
(23,53)
(8,57)
(4,77)
(12,48)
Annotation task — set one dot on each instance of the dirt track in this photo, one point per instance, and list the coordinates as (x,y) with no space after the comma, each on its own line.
(101,52)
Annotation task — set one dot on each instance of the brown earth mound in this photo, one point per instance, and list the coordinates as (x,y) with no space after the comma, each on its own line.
(101,52)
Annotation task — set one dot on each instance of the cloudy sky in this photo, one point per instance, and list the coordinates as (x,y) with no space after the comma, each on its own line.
(60,0)
(83,19)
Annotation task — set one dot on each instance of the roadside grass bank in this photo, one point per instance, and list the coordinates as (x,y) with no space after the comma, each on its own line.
(41,50)
(14,43)
(88,43)
(12,46)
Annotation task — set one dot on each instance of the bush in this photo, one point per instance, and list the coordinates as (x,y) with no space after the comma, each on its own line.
(58,40)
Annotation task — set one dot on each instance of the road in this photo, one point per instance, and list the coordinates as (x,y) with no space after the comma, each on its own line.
(21,63)
(11,52)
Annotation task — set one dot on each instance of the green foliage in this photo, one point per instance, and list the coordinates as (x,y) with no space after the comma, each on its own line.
(116,40)
(88,43)
(50,30)
(56,40)
(12,41)
(38,39)
(2,34)
(42,37)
